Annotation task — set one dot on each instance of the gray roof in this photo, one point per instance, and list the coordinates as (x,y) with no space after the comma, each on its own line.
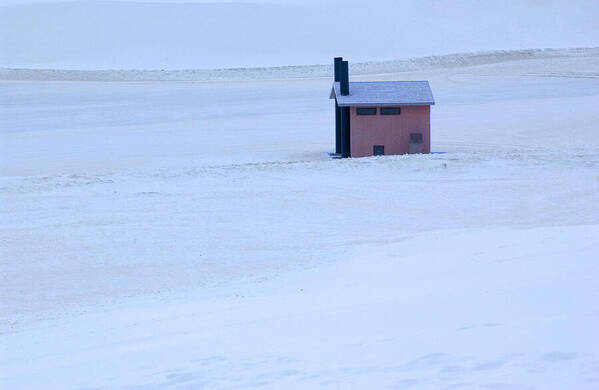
(384,93)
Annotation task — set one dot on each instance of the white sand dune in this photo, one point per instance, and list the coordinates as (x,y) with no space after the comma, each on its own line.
(170,217)
(160,35)
(169,234)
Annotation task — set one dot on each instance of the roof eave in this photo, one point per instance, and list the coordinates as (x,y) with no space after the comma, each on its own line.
(341,104)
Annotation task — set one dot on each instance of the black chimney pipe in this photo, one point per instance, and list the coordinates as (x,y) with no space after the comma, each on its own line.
(344,114)
(338,146)
(344,78)
(337,67)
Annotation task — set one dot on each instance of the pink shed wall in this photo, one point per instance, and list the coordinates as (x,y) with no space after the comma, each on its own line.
(392,131)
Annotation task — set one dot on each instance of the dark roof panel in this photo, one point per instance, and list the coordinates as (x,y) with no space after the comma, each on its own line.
(385,93)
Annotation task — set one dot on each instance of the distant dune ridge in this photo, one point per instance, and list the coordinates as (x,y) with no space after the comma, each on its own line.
(301,71)
(145,35)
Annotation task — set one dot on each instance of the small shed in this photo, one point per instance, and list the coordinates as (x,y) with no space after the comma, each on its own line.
(380,117)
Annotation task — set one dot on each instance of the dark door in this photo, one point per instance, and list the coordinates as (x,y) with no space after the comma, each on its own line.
(378,150)
(415,143)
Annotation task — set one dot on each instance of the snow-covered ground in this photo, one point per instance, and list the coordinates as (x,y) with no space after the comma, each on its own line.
(195,234)
(499,308)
